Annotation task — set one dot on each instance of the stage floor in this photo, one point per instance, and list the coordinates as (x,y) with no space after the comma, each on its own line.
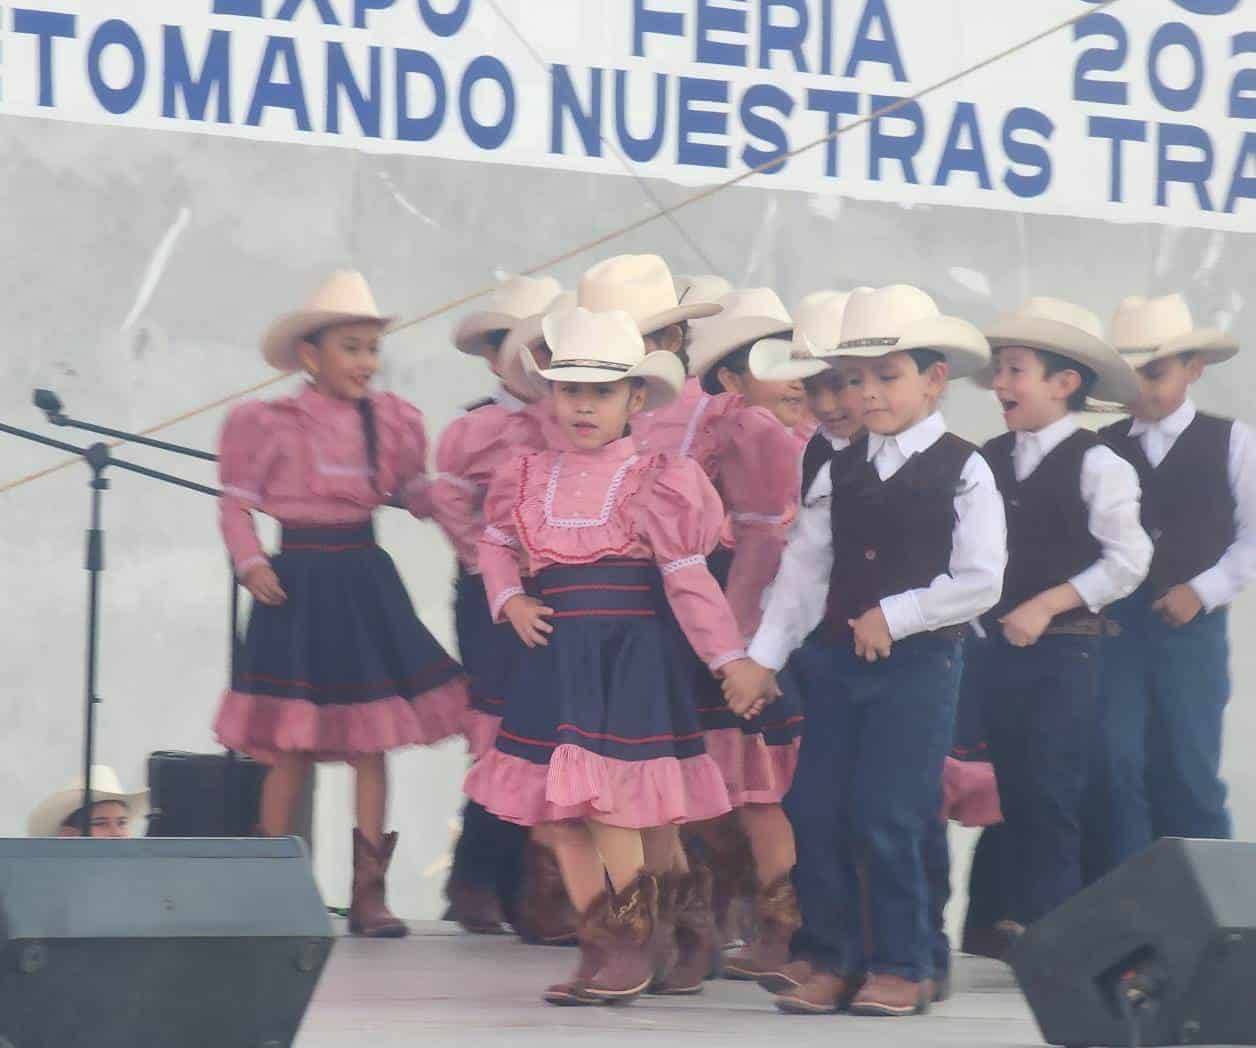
(443,987)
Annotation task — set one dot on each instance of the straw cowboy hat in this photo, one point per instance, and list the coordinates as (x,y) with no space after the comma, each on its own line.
(606,347)
(516,298)
(897,318)
(1069,331)
(705,288)
(50,814)
(343,299)
(1147,329)
(817,331)
(642,286)
(745,317)
(528,334)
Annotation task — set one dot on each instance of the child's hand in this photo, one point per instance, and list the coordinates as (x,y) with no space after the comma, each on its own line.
(748,687)
(1024,626)
(261,581)
(1179,606)
(527,615)
(872,635)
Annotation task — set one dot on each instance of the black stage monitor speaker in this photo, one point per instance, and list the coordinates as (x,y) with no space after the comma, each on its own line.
(148,943)
(1168,939)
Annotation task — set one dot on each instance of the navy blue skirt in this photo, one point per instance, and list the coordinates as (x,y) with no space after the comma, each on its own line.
(758,756)
(489,652)
(343,668)
(601,723)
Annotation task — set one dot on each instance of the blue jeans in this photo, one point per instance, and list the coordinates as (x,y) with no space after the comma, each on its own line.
(1040,709)
(1162,702)
(866,796)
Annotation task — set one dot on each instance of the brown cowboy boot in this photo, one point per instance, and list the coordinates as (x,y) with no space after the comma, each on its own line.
(623,925)
(697,940)
(825,993)
(475,908)
(892,995)
(789,978)
(545,915)
(572,992)
(666,950)
(778,917)
(368,912)
(732,871)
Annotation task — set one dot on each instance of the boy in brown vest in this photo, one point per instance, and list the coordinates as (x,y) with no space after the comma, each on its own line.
(1166,677)
(874,590)
(1075,545)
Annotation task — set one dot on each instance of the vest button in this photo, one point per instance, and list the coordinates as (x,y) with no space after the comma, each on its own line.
(870,554)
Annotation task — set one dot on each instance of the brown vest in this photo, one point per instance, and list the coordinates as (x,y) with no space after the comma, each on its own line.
(894,535)
(1048,522)
(1187,504)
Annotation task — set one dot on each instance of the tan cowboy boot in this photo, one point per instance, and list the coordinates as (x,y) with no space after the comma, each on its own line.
(697,940)
(892,995)
(825,993)
(778,917)
(623,925)
(368,912)
(545,915)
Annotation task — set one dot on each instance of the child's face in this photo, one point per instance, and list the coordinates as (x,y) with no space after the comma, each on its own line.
(109,819)
(593,414)
(343,359)
(836,405)
(894,392)
(784,399)
(1031,399)
(1165,384)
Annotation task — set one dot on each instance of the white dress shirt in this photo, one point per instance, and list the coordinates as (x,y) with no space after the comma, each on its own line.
(822,482)
(1110,489)
(1226,579)
(970,588)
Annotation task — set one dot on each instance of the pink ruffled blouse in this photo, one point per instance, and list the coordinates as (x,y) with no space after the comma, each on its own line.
(302,460)
(472,451)
(576,507)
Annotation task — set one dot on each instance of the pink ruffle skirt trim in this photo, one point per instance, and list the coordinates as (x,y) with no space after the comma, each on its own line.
(481,730)
(579,784)
(264,726)
(970,793)
(754,772)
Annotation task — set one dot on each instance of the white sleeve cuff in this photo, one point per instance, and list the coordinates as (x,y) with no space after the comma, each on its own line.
(903,615)
(725,659)
(770,648)
(1093,587)
(1213,589)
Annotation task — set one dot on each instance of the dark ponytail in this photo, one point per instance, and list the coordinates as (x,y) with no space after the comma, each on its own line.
(367,410)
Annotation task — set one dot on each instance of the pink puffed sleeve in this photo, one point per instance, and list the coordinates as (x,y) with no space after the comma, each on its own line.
(455,499)
(498,550)
(246,452)
(681,522)
(412,482)
(758,476)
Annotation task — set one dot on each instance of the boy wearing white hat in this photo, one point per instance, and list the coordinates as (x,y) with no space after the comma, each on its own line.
(1075,545)
(114,811)
(493,860)
(1166,677)
(908,549)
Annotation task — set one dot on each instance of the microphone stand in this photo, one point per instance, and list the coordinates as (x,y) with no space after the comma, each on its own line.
(98,458)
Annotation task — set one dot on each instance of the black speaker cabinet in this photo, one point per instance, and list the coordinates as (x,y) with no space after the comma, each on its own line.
(157,943)
(1184,913)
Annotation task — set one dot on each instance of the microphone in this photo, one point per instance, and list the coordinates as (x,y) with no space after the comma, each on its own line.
(50,404)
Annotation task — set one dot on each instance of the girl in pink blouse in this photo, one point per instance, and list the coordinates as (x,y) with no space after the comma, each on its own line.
(600,733)
(335,665)
(498,874)
(750,444)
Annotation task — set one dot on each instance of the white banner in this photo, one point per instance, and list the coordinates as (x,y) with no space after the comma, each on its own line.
(1145,111)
